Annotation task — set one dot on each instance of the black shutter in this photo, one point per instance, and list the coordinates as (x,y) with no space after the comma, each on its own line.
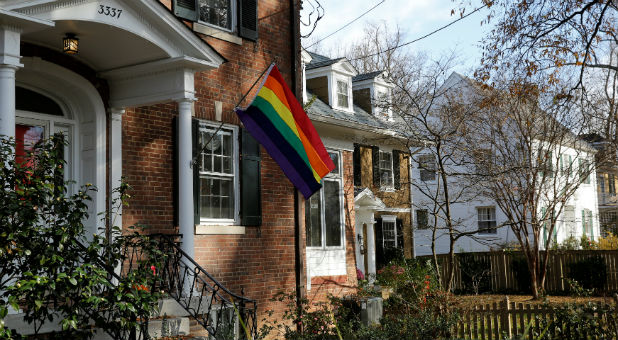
(186,9)
(247,19)
(196,148)
(250,181)
(377,229)
(396,169)
(175,183)
(356,166)
(399,225)
(375,160)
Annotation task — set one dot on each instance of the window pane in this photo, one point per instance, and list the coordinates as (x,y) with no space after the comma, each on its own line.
(216,197)
(342,94)
(332,213)
(312,221)
(216,12)
(389,235)
(422,219)
(335,157)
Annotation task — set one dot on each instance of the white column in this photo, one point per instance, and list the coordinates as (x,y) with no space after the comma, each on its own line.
(9,63)
(115,146)
(185,177)
(371,248)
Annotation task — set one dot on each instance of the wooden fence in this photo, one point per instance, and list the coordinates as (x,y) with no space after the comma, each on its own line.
(510,319)
(502,276)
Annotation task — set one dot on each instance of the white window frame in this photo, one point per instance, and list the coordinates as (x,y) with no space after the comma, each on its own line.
(349,93)
(334,177)
(391,185)
(203,125)
(389,219)
(233,15)
(478,220)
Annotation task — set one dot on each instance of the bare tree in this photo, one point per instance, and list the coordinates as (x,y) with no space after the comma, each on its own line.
(534,165)
(433,124)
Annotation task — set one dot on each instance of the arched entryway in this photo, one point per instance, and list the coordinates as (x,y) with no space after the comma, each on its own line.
(52,99)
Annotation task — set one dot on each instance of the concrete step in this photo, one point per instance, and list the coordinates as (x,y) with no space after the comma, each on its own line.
(171,307)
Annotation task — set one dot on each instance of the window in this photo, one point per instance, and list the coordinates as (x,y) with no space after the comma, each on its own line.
(389,232)
(386,169)
(342,94)
(217,13)
(545,163)
(611,181)
(422,219)
(218,168)
(584,171)
(587,224)
(323,221)
(383,104)
(486,220)
(566,165)
(427,166)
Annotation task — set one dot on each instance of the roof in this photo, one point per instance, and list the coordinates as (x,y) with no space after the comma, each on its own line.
(359,116)
(366,76)
(318,60)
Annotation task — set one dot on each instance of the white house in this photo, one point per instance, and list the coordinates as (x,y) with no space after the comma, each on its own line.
(479,215)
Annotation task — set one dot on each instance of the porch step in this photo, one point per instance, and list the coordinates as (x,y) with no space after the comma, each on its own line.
(173,326)
(171,307)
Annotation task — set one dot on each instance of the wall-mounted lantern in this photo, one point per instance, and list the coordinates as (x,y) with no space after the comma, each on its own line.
(70,44)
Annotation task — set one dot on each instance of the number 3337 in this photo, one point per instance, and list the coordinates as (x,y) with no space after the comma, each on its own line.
(110,11)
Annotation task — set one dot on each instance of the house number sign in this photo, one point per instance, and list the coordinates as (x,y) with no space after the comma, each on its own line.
(110,11)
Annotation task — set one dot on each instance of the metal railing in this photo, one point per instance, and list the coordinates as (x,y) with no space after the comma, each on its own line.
(223,314)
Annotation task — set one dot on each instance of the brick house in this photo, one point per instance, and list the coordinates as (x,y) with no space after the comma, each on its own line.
(149,81)
(362,215)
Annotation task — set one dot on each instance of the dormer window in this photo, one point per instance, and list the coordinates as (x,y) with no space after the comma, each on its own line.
(342,94)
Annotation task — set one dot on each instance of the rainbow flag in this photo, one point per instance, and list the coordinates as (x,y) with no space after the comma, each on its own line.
(277,120)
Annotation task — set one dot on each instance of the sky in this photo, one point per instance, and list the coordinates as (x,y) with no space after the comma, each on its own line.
(415,17)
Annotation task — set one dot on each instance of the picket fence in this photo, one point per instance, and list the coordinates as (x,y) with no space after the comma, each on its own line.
(508,320)
(502,275)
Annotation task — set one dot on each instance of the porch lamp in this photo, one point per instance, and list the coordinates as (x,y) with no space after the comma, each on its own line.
(70,44)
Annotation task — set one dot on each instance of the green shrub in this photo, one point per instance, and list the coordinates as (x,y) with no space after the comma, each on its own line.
(576,321)
(519,266)
(475,273)
(590,272)
(49,267)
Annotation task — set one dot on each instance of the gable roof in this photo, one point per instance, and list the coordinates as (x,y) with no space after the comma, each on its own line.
(318,60)
(366,76)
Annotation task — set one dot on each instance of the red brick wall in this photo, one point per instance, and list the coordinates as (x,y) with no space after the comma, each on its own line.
(260,261)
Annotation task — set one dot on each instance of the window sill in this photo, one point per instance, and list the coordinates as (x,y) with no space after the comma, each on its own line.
(203,229)
(217,33)
(387,189)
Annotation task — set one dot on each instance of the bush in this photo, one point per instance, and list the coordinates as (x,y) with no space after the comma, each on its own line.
(475,273)
(590,272)
(574,322)
(48,266)
(522,274)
